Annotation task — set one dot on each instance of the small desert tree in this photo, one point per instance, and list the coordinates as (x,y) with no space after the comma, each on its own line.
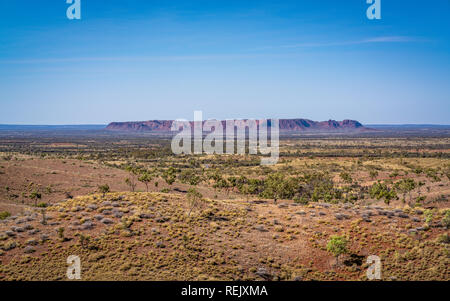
(190,177)
(221,183)
(194,180)
(44,218)
(169,176)
(35,196)
(276,186)
(194,197)
(337,245)
(84,240)
(382,191)
(60,232)
(446,219)
(145,178)
(405,186)
(419,186)
(346,177)
(130,183)
(103,189)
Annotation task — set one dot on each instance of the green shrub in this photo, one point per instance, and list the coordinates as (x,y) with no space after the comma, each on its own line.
(346,177)
(446,220)
(60,232)
(4,214)
(373,174)
(337,245)
(277,186)
(428,216)
(103,189)
(301,200)
(382,191)
(444,238)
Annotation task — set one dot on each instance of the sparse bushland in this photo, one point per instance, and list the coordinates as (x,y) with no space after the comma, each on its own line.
(159,226)
(216,218)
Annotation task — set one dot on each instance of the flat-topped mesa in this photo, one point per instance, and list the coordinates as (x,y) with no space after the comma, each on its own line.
(292,125)
(141,126)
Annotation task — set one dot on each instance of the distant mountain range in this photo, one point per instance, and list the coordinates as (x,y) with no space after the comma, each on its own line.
(286,125)
(289,125)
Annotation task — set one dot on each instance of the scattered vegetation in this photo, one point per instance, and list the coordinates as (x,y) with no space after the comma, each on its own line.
(225,217)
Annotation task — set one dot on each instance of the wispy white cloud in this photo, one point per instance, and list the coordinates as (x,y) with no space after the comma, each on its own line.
(382,39)
(392,39)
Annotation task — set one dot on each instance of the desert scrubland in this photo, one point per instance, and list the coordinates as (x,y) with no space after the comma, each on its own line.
(131,210)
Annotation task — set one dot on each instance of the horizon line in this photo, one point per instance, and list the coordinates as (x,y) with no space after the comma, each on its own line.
(105,124)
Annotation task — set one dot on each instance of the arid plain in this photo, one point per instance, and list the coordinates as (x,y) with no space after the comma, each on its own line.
(131,210)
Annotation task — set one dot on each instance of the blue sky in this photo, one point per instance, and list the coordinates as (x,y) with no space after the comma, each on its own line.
(140,60)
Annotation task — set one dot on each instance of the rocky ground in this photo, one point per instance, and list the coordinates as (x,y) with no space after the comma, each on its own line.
(152,236)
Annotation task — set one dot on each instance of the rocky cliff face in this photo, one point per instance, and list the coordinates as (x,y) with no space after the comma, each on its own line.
(285,125)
